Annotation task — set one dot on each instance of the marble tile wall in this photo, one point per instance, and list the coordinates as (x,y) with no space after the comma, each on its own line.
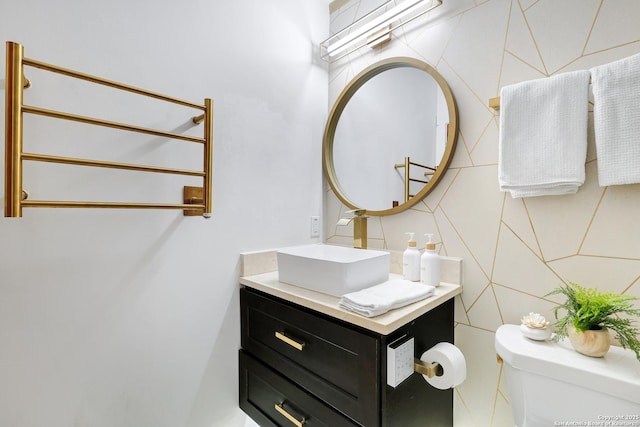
(514,250)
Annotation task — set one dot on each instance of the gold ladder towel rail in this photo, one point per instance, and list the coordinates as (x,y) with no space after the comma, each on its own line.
(407,177)
(106,123)
(197,201)
(99,80)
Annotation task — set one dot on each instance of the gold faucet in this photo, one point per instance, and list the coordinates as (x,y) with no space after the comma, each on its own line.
(359,227)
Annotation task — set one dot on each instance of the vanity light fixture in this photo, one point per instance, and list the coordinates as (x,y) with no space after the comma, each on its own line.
(375,27)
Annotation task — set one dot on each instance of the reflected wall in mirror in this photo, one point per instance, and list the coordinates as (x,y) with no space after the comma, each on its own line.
(390,136)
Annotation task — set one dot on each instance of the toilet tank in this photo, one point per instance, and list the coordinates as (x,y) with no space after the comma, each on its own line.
(549,383)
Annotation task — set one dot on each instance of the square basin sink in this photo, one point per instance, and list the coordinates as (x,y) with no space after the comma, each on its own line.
(333,270)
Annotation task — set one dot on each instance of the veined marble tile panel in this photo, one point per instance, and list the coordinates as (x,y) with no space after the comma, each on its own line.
(477,189)
(615,230)
(602,57)
(609,17)
(473,111)
(516,217)
(476,47)
(560,221)
(502,413)
(432,201)
(514,304)
(514,70)
(460,314)
(474,279)
(422,222)
(634,290)
(344,16)
(374,227)
(485,152)
(520,41)
(461,415)
(612,274)
(431,42)
(519,268)
(339,81)
(484,313)
(550,20)
(479,389)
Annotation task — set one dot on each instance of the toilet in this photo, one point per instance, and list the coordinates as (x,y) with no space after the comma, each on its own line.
(549,383)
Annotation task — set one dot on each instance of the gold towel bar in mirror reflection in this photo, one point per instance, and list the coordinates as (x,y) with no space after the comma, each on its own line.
(407,176)
(197,200)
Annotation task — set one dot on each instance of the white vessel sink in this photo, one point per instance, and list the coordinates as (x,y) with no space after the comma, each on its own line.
(333,270)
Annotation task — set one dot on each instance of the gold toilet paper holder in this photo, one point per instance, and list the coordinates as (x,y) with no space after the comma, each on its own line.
(433,369)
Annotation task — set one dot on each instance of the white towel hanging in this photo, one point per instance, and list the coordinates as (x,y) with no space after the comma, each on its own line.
(543,135)
(616,121)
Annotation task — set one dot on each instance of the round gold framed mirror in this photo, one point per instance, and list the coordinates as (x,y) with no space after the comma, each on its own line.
(390,136)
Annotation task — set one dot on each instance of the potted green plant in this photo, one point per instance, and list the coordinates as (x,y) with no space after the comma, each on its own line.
(590,314)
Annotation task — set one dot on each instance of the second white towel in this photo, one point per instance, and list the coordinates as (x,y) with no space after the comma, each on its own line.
(616,120)
(386,296)
(543,135)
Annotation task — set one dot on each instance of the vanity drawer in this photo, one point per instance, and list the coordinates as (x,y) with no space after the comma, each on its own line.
(337,364)
(272,400)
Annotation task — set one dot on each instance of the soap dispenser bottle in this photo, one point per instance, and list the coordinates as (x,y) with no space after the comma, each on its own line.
(411,261)
(430,264)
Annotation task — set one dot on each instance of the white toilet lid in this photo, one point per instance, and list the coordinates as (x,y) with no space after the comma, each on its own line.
(616,374)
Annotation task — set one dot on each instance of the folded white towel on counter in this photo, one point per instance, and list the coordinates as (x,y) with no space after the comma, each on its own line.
(616,121)
(386,296)
(543,135)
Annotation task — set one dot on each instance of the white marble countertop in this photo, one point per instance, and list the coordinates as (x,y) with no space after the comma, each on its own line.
(328,304)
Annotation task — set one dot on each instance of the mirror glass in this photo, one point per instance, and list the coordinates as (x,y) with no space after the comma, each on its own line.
(396,116)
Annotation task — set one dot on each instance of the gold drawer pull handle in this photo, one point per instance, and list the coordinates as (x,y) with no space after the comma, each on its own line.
(293,343)
(288,416)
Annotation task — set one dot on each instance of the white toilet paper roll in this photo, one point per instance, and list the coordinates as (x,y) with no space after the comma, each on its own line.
(454,366)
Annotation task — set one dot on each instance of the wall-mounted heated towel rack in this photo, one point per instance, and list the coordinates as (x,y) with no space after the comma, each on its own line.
(197,200)
(407,175)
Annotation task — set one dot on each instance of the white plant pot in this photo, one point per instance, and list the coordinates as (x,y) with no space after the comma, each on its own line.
(535,333)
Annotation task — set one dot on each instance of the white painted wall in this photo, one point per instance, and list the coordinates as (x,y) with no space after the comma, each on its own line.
(130,318)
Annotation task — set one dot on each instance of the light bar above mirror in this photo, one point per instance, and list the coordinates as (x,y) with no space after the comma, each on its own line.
(374,27)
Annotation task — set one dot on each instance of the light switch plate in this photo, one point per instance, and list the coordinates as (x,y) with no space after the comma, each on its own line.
(400,360)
